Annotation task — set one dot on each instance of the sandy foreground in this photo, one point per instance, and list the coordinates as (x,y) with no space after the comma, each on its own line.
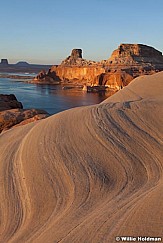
(89,174)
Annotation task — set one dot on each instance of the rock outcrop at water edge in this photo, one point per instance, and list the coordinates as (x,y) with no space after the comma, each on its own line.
(12,113)
(8,102)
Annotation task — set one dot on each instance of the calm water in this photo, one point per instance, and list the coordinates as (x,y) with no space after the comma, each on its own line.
(51,98)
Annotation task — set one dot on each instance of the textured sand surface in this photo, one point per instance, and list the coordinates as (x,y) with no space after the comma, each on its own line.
(87,174)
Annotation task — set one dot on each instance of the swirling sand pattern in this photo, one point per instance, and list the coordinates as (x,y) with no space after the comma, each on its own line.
(87,174)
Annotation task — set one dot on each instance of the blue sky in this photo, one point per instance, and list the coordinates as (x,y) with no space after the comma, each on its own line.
(45,31)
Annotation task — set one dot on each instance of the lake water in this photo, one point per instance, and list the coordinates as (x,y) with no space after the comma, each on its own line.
(51,98)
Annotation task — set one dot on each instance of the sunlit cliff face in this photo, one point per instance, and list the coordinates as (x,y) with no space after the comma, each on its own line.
(137,52)
(126,63)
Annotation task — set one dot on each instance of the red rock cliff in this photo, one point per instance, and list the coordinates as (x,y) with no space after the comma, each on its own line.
(125,63)
(78,74)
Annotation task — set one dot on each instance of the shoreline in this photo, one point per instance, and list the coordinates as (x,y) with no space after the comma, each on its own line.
(12,76)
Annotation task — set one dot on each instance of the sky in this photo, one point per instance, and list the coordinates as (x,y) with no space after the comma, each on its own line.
(45,31)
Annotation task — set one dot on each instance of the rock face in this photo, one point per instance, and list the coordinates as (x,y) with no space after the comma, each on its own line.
(136,54)
(41,75)
(49,77)
(78,74)
(76,53)
(12,113)
(75,59)
(4,62)
(114,80)
(130,61)
(126,63)
(136,50)
(15,117)
(74,69)
(9,102)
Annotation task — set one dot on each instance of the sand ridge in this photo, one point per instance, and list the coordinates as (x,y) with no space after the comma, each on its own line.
(88,174)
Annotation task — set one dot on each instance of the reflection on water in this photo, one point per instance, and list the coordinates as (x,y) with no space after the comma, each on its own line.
(47,89)
(51,98)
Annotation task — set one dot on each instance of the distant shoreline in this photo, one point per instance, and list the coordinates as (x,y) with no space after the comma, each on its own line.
(12,76)
(30,68)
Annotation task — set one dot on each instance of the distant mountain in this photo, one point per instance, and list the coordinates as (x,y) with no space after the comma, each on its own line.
(22,64)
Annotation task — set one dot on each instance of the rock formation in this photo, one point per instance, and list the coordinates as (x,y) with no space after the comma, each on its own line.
(130,61)
(126,63)
(4,62)
(78,74)
(9,102)
(73,69)
(15,117)
(114,79)
(12,113)
(136,54)
(75,59)
(76,53)
(49,77)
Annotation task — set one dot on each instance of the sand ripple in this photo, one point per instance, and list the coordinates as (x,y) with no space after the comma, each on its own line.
(87,174)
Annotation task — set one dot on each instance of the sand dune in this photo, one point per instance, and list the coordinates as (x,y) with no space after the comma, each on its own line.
(88,174)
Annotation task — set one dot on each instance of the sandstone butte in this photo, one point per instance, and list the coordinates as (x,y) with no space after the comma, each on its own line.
(126,63)
(89,174)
